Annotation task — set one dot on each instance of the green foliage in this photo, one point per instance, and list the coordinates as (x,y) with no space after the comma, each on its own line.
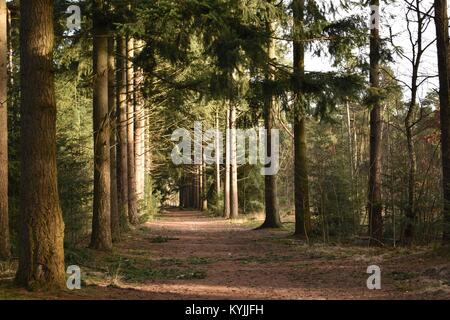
(199,56)
(74,157)
(251,191)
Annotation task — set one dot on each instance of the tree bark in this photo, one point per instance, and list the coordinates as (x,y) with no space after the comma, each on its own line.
(115,214)
(272,219)
(132,200)
(41,257)
(441,22)
(101,218)
(302,211)
(200,186)
(122,151)
(5,249)
(139,133)
(217,154)
(374,193)
(226,195)
(196,180)
(233,183)
(204,188)
(148,160)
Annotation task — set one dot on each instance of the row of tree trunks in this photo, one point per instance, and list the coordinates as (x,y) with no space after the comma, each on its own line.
(193,187)
(231,205)
(132,138)
(119,133)
(41,253)
(4,221)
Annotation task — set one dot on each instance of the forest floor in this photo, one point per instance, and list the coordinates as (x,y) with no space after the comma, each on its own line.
(189,255)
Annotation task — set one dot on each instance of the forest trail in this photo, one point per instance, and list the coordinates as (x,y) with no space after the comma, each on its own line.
(189,255)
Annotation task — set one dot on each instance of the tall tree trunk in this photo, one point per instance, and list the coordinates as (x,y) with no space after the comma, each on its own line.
(122,150)
(272,219)
(200,186)
(410,208)
(196,173)
(204,189)
(101,218)
(4,221)
(191,187)
(441,22)
(148,160)
(217,154)
(139,133)
(233,183)
(351,152)
(226,195)
(417,52)
(302,212)
(115,214)
(181,192)
(132,200)
(41,258)
(374,193)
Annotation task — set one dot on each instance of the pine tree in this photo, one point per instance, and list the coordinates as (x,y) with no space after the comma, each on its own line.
(41,258)
(101,218)
(140,129)
(374,194)
(226,194)
(113,141)
(234,204)
(441,22)
(272,218)
(131,119)
(302,213)
(4,219)
(122,125)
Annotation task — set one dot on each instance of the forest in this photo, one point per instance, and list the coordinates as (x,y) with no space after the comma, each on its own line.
(224,149)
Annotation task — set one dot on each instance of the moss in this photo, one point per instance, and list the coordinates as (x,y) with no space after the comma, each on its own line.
(161,239)
(400,275)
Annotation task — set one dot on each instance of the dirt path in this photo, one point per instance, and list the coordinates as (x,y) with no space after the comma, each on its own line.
(188,255)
